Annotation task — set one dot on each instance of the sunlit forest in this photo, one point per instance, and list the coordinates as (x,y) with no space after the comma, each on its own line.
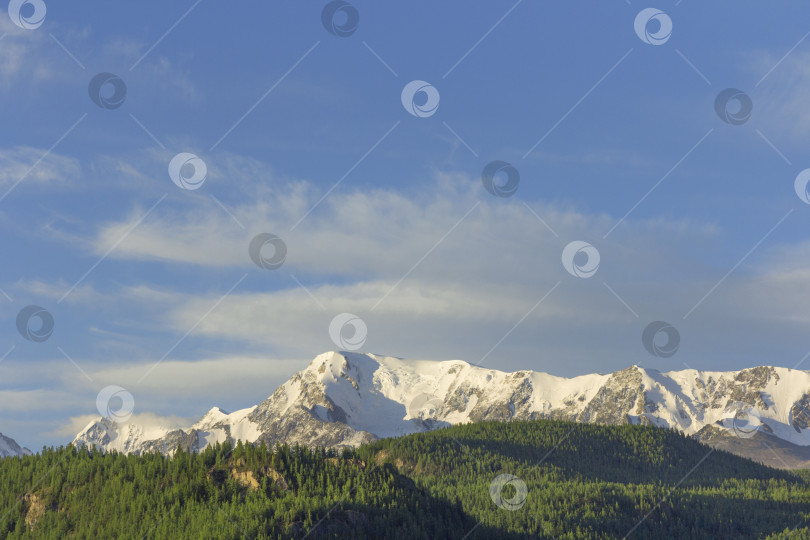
(581,481)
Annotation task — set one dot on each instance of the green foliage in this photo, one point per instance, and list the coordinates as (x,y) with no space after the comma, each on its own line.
(583,481)
(222,492)
(593,481)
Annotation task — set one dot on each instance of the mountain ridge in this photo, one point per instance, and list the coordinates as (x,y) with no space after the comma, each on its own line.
(10,448)
(346,399)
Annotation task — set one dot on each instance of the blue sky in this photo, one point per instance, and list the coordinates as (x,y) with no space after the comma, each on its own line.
(384,215)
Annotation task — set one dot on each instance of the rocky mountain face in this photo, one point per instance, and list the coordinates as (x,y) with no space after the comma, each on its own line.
(346,399)
(10,448)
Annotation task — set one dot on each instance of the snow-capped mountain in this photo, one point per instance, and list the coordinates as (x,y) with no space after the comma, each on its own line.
(346,399)
(10,448)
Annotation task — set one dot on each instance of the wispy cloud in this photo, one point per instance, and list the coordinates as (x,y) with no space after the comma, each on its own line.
(781,99)
(28,163)
(459,300)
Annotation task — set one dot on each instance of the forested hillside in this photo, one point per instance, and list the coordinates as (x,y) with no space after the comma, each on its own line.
(593,481)
(581,481)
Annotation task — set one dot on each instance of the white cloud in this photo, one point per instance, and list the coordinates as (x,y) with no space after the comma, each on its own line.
(18,54)
(780,105)
(32,165)
(161,391)
(176,379)
(55,290)
(376,234)
(147,420)
(428,284)
(74,425)
(429,281)
(29,58)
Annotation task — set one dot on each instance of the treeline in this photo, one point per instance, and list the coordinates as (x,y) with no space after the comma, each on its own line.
(222,492)
(595,481)
(581,481)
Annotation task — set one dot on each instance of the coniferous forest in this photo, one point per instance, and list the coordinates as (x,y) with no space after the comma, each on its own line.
(581,481)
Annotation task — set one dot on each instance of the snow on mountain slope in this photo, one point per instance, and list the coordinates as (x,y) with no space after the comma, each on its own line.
(10,448)
(345,399)
(215,426)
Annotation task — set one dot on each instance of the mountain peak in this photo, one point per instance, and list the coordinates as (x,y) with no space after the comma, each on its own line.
(214,415)
(346,398)
(10,448)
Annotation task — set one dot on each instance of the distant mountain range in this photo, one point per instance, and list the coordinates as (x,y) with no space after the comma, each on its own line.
(346,399)
(10,448)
